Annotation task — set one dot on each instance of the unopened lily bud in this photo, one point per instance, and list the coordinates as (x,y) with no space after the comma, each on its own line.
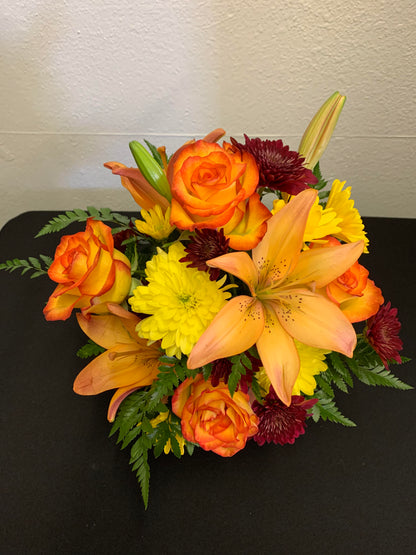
(319,131)
(150,169)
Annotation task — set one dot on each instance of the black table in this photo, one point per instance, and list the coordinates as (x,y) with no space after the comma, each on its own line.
(67,488)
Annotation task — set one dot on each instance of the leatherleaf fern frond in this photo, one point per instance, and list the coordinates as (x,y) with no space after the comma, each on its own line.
(326,409)
(145,423)
(365,366)
(78,215)
(38,266)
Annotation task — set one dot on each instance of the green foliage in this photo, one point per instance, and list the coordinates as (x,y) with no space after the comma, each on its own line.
(90,349)
(321,185)
(172,372)
(146,425)
(240,363)
(326,409)
(38,266)
(103,214)
(155,153)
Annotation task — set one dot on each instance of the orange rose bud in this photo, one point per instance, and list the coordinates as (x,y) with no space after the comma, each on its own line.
(212,418)
(208,182)
(356,295)
(89,272)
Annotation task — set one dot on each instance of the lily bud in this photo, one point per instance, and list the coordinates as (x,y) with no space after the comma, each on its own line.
(150,169)
(319,131)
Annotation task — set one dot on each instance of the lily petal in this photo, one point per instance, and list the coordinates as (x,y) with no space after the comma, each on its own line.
(106,330)
(323,265)
(279,356)
(235,328)
(118,367)
(238,264)
(117,399)
(140,189)
(316,321)
(278,252)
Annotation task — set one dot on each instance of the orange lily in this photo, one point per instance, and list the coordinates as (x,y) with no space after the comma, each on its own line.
(284,305)
(127,364)
(140,189)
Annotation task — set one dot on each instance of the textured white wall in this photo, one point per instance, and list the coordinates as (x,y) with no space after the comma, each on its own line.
(80,78)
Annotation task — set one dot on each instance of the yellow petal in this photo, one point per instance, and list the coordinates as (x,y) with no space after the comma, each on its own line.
(279,356)
(238,264)
(235,328)
(323,265)
(278,252)
(315,321)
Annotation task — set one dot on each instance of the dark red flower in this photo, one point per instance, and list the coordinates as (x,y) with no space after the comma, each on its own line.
(279,423)
(382,332)
(204,245)
(221,370)
(279,167)
(122,236)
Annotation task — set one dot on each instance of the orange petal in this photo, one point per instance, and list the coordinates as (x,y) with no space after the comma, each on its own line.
(60,306)
(238,264)
(214,136)
(140,189)
(314,320)
(358,309)
(323,265)
(117,399)
(102,232)
(235,328)
(278,252)
(279,356)
(106,330)
(249,230)
(118,367)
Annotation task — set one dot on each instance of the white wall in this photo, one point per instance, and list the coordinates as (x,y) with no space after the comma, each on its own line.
(79,79)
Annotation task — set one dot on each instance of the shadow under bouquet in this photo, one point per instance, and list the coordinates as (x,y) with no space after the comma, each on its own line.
(233,306)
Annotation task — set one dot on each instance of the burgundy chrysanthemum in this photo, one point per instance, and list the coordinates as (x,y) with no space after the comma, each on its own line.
(279,167)
(122,236)
(204,245)
(382,332)
(221,370)
(279,423)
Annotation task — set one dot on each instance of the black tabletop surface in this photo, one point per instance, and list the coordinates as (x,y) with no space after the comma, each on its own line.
(67,488)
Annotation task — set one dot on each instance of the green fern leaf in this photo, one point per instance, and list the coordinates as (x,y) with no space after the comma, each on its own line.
(326,409)
(379,376)
(90,349)
(155,153)
(33,265)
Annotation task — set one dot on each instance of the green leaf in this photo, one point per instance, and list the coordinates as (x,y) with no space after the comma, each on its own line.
(78,215)
(379,376)
(323,381)
(155,153)
(33,265)
(90,349)
(326,409)
(139,462)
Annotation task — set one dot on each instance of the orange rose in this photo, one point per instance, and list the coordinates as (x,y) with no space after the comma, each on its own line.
(211,188)
(89,272)
(212,418)
(356,295)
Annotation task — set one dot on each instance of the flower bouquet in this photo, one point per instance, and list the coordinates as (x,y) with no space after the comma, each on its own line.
(233,306)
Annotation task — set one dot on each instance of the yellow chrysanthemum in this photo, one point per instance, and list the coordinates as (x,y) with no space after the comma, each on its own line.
(312,362)
(352,227)
(182,301)
(321,221)
(156,223)
(168,445)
